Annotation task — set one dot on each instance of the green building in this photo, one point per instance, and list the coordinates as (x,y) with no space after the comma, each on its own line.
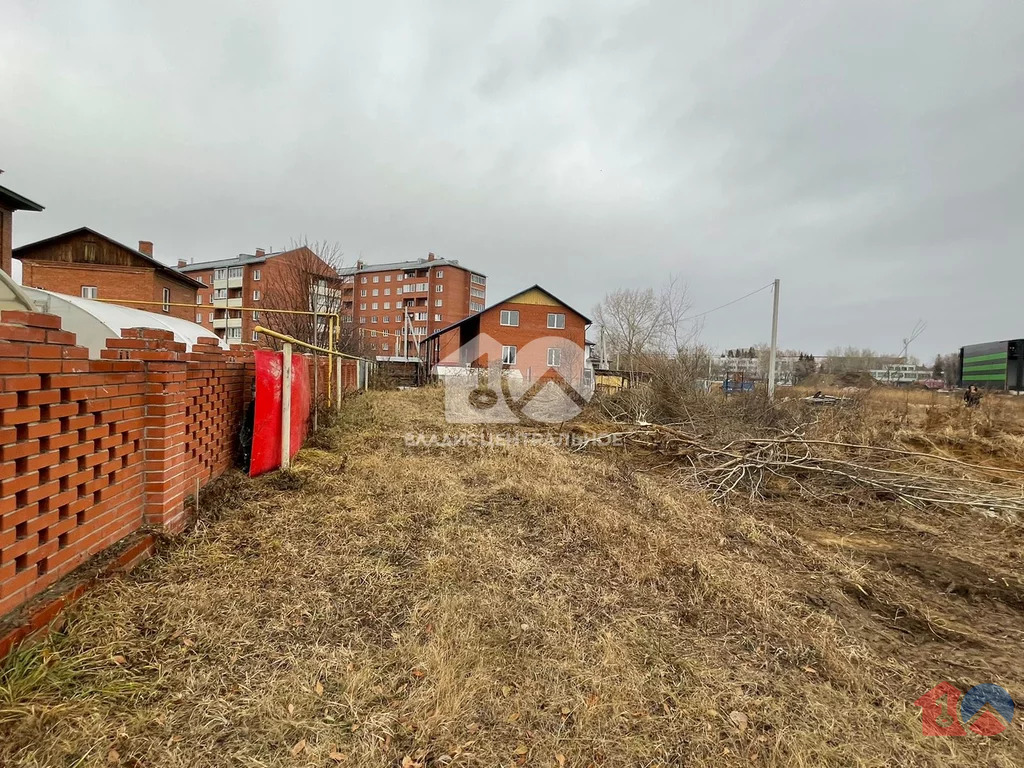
(994,365)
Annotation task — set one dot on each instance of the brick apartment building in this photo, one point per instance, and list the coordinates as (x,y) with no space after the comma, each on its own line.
(9,203)
(85,263)
(385,301)
(235,293)
(533,332)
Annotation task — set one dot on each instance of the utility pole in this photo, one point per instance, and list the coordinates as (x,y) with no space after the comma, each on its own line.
(775,340)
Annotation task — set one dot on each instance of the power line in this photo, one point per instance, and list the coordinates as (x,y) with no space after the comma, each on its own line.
(728,303)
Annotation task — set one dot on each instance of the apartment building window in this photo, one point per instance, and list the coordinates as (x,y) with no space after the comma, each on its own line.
(399,277)
(476,306)
(201,279)
(211,317)
(235,272)
(556,320)
(439,273)
(437,318)
(387,291)
(362,306)
(167,299)
(398,291)
(384,346)
(387,305)
(362,320)
(422,287)
(220,274)
(199,317)
(373,334)
(374,305)
(386,319)
(362,293)
(90,292)
(438,302)
(478,279)
(476,293)
(387,278)
(362,280)
(255,295)
(220,293)
(509,317)
(373,319)
(255,316)
(438,289)
(255,274)
(554,357)
(398,318)
(376,292)
(508,355)
(255,336)
(376,278)
(199,298)
(234,334)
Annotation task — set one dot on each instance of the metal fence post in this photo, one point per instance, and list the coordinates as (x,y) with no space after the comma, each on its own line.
(286,406)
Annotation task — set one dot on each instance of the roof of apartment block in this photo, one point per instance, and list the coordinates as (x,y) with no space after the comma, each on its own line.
(414,264)
(235,261)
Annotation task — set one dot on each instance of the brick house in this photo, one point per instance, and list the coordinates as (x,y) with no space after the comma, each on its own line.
(9,203)
(85,263)
(388,301)
(235,293)
(532,332)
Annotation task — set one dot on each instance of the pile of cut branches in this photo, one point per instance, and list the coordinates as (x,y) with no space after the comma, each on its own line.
(821,468)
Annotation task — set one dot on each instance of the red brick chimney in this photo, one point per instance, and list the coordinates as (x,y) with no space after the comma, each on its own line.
(182,263)
(430,257)
(146,247)
(260,253)
(359,264)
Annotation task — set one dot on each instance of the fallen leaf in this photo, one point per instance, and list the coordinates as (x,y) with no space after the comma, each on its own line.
(417,673)
(513,717)
(520,750)
(560,758)
(319,688)
(291,709)
(299,746)
(473,727)
(338,757)
(113,757)
(119,660)
(355,727)
(566,711)
(188,643)
(506,691)
(740,720)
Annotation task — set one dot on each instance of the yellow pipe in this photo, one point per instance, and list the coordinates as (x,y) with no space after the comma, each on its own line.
(292,340)
(220,306)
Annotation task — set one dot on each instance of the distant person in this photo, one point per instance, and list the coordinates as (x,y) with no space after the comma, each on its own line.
(972,396)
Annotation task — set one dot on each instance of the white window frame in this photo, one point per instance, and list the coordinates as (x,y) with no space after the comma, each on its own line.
(167,299)
(362,306)
(374,305)
(438,302)
(508,355)
(376,292)
(255,295)
(255,274)
(199,317)
(438,289)
(255,336)
(199,298)
(554,357)
(90,292)
(376,278)
(505,318)
(555,317)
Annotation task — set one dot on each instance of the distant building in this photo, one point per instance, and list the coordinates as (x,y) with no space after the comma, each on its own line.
(993,365)
(901,374)
(91,265)
(9,203)
(296,279)
(397,305)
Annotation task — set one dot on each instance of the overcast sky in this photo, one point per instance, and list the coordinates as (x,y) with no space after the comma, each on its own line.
(869,154)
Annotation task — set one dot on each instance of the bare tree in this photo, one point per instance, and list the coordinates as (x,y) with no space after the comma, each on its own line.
(679,330)
(304,282)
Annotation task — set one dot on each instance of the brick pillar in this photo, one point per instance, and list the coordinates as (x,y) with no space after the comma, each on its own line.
(165,468)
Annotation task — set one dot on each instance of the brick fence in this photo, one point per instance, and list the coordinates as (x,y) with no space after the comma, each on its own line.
(93,450)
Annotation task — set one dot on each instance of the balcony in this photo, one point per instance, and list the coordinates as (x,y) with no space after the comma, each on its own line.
(229,282)
(227,303)
(220,323)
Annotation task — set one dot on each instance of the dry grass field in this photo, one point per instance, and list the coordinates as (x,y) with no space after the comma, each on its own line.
(388,605)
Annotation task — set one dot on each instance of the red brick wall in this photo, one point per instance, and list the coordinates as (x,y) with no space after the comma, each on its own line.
(90,450)
(5,240)
(180,294)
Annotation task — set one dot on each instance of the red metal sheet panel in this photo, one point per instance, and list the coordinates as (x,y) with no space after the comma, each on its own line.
(266,437)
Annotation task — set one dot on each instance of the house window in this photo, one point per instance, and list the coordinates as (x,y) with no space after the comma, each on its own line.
(438,302)
(508,355)
(439,289)
(554,357)
(255,274)
(201,279)
(199,298)
(556,320)
(211,317)
(509,317)
(89,292)
(167,299)
(255,295)
(199,317)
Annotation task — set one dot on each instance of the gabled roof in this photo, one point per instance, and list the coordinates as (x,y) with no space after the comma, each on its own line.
(12,201)
(26,250)
(533,287)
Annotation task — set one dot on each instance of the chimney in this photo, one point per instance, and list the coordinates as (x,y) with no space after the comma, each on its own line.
(359,264)
(146,247)
(430,257)
(260,253)
(182,263)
